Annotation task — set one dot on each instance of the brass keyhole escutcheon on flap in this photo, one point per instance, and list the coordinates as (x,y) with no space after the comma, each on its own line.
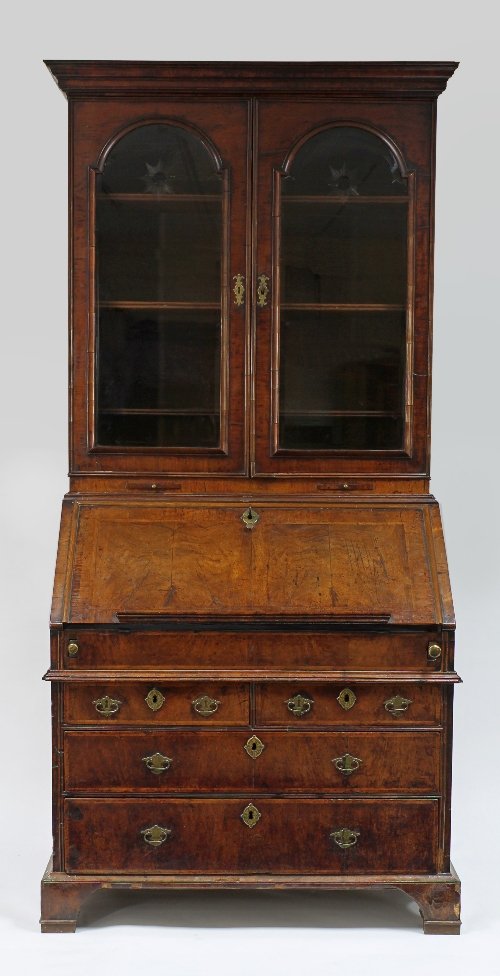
(249,518)
(251,815)
(72,649)
(157,763)
(239,289)
(346,699)
(155,835)
(254,747)
(299,705)
(434,652)
(204,705)
(107,706)
(154,699)
(345,837)
(262,290)
(397,705)
(347,764)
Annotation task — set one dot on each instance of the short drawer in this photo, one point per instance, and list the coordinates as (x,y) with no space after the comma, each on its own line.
(347,704)
(191,761)
(156,704)
(185,650)
(262,835)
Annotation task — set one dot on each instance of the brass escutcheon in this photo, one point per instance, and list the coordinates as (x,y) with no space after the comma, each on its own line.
(155,835)
(107,706)
(249,518)
(345,837)
(204,705)
(262,290)
(347,764)
(154,699)
(434,652)
(397,704)
(251,815)
(254,747)
(239,289)
(346,699)
(299,705)
(73,648)
(157,763)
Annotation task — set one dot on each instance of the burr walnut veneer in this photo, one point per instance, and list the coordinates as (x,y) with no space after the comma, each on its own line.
(252,631)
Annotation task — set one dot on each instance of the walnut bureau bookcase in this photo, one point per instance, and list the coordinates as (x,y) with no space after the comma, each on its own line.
(252,630)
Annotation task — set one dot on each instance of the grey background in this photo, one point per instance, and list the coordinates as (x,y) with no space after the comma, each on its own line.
(250,934)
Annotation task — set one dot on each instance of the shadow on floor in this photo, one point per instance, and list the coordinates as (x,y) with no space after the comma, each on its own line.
(276,909)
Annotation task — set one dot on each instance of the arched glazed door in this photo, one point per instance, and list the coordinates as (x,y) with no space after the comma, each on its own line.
(166,371)
(335,335)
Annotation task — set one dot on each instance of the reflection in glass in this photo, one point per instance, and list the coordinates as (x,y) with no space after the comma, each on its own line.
(345,161)
(158,285)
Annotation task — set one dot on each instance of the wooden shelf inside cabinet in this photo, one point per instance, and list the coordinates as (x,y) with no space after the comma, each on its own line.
(340,307)
(150,198)
(157,412)
(160,306)
(332,199)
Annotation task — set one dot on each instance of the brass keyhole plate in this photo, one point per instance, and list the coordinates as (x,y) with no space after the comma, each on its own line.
(346,699)
(251,815)
(254,747)
(154,699)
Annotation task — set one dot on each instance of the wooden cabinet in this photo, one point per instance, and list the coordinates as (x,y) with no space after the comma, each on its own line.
(252,632)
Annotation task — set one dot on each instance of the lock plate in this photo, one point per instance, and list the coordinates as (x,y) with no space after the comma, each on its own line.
(346,699)
(154,699)
(254,747)
(251,815)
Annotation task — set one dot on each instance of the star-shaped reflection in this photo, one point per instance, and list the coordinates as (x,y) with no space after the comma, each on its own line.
(158,179)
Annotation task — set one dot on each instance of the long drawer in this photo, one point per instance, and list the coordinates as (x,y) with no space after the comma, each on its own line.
(287,704)
(241,836)
(339,650)
(156,704)
(170,762)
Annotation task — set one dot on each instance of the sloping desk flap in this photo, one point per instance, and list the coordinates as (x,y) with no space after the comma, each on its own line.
(380,561)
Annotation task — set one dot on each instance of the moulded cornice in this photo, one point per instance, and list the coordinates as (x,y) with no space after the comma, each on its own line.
(406,79)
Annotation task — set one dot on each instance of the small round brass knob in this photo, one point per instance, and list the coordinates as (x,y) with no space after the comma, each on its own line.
(73,648)
(434,651)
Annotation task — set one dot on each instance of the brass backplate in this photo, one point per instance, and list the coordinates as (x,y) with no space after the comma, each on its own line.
(254,747)
(155,835)
(346,699)
(344,837)
(239,289)
(251,815)
(107,706)
(299,705)
(154,699)
(204,705)
(157,763)
(397,704)
(347,764)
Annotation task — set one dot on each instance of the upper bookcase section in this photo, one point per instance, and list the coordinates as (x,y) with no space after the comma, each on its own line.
(251,271)
(409,79)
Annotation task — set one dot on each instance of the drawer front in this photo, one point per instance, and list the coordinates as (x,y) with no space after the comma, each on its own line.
(401,651)
(170,762)
(286,836)
(348,704)
(156,704)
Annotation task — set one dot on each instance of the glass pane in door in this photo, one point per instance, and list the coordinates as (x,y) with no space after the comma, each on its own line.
(159,237)
(343,298)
